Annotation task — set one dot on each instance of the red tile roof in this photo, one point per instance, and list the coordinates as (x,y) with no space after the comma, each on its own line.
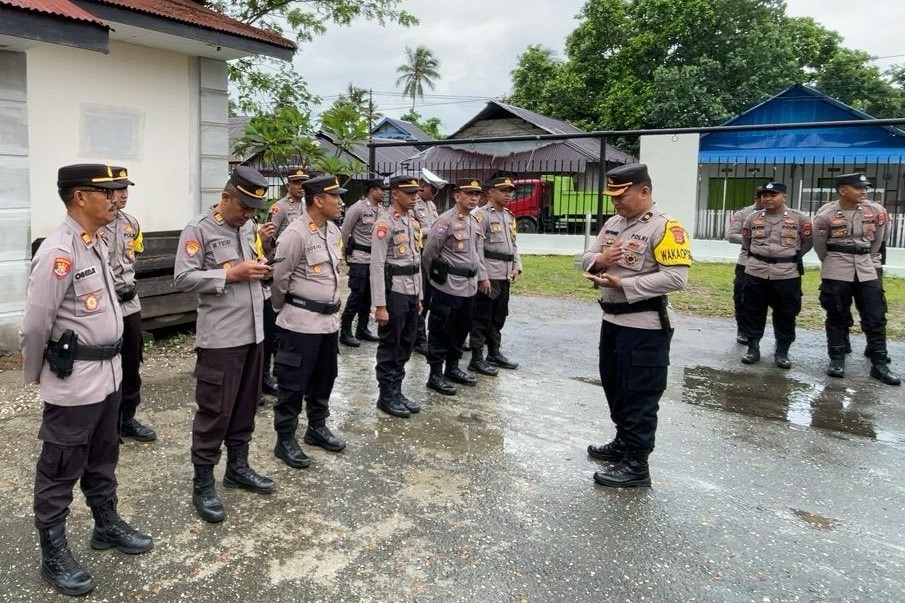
(57,8)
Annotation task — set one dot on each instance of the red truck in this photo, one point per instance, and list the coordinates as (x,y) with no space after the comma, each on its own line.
(550,203)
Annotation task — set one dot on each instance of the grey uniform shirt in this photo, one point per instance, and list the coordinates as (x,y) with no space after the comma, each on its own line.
(284,212)
(785,234)
(426,213)
(395,242)
(456,240)
(123,237)
(499,236)
(358,224)
(229,314)
(863,227)
(311,271)
(70,286)
(734,233)
(642,273)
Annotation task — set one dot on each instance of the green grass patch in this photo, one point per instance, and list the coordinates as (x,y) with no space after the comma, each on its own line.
(709,291)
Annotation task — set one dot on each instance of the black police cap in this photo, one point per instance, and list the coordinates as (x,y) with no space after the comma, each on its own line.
(619,179)
(773,187)
(854,179)
(407,184)
(97,175)
(323,184)
(251,184)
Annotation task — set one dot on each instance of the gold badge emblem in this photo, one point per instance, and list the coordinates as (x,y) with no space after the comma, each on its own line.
(91,302)
(317,269)
(460,245)
(403,249)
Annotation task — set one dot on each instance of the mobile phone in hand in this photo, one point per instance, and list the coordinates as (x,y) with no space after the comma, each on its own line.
(273,261)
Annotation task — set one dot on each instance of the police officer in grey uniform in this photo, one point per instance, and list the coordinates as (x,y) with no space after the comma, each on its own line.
(425,211)
(306,297)
(396,288)
(503,266)
(358,226)
(848,233)
(286,210)
(776,237)
(734,235)
(124,239)
(70,337)
(640,256)
(453,254)
(219,258)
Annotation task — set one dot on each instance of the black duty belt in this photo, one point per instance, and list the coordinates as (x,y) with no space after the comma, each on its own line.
(98,352)
(645,305)
(466,272)
(497,255)
(853,249)
(402,270)
(312,305)
(771,260)
(356,245)
(125,294)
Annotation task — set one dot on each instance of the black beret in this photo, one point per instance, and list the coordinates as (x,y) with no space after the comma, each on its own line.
(773,187)
(97,175)
(252,186)
(619,179)
(855,179)
(323,184)
(405,183)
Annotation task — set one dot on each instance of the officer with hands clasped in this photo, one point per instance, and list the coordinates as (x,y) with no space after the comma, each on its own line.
(305,295)
(396,288)
(70,337)
(640,255)
(453,254)
(220,258)
(848,233)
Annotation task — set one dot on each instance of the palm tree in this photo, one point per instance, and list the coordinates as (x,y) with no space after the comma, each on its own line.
(420,68)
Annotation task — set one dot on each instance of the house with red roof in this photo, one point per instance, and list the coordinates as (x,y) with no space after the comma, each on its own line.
(138,83)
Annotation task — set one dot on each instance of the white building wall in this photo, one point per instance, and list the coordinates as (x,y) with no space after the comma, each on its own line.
(672,161)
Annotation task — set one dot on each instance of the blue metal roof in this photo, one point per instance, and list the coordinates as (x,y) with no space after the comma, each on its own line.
(795,105)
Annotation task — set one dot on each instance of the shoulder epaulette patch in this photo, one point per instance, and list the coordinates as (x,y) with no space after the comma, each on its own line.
(674,249)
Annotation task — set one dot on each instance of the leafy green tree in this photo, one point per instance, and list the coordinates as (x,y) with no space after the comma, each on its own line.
(431,125)
(360,98)
(420,69)
(284,137)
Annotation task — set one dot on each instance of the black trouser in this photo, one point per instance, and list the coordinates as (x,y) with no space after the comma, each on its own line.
(633,371)
(738,289)
(428,290)
(449,322)
(81,444)
(836,298)
(271,333)
(488,316)
(783,296)
(227,391)
(305,367)
(131,356)
(397,337)
(359,302)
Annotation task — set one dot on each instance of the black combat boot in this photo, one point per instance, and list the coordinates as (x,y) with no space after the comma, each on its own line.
(479,365)
(781,356)
(631,471)
(413,405)
(611,451)
(741,338)
(752,356)
(836,367)
(454,373)
(58,567)
(110,530)
(345,332)
(880,371)
(363,333)
(389,403)
(494,356)
(130,427)
(320,435)
(204,495)
(240,475)
(289,451)
(437,382)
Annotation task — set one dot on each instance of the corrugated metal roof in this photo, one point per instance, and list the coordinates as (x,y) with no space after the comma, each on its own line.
(56,8)
(413,131)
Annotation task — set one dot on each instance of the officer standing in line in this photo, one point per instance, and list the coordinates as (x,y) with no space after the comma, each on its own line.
(70,337)
(453,254)
(124,240)
(358,226)
(848,233)
(503,266)
(280,215)
(776,237)
(425,211)
(218,257)
(640,256)
(306,298)
(396,287)
(734,235)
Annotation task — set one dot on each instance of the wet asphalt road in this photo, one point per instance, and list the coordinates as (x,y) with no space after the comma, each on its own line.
(769,486)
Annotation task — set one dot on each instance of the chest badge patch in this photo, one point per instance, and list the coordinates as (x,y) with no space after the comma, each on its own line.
(91,302)
(61,267)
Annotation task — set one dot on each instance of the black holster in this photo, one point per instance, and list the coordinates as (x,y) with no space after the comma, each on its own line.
(439,271)
(60,355)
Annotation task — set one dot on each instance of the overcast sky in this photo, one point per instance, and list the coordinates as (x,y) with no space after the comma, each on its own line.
(478,43)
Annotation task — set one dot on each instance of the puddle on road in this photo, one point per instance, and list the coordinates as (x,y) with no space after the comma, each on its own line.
(782,398)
